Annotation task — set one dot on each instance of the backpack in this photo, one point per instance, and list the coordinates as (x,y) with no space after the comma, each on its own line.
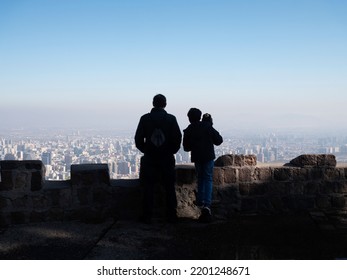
(158,137)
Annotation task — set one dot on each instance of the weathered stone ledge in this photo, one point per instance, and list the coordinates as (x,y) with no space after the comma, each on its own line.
(309,182)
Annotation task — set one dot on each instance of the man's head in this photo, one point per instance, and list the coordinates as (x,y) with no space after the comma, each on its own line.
(159,101)
(194,115)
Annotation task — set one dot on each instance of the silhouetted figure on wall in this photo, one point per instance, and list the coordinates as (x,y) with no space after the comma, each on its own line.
(199,138)
(158,137)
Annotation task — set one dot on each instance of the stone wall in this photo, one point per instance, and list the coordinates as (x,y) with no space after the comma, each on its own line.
(309,182)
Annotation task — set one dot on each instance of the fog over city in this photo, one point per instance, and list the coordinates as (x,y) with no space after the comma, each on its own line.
(254,65)
(59,149)
(75,77)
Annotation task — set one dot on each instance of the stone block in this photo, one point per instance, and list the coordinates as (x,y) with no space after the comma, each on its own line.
(218,176)
(323,201)
(315,173)
(4,203)
(265,206)
(84,195)
(338,201)
(245,174)
(258,189)
(22,180)
(22,203)
(185,203)
(40,202)
(7,182)
(37,180)
(326,160)
(34,165)
(5,219)
(277,188)
(277,203)
(289,203)
(250,160)
(304,161)
(225,160)
(90,175)
(249,205)
(185,174)
(262,174)
(101,197)
(332,174)
(185,196)
(314,160)
(340,187)
(230,175)
(128,201)
(60,197)
(10,164)
(300,174)
(305,203)
(312,188)
(227,195)
(244,188)
(236,160)
(89,179)
(283,174)
(296,188)
(334,187)
(327,187)
(22,174)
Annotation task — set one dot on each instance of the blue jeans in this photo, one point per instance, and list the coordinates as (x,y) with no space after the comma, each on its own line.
(204,172)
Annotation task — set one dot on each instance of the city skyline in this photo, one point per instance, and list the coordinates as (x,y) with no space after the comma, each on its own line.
(261,65)
(59,150)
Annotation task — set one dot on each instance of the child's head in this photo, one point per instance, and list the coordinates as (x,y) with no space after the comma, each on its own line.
(194,115)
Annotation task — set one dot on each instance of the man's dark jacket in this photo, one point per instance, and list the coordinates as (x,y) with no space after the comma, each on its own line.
(199,138)
(158,118)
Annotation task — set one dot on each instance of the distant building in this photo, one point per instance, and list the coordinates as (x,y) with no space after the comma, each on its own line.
(47,158)
(9,157)
(124,168)
(68,161)
(27,156)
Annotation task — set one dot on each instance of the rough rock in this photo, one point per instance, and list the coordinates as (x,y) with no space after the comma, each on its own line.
(314,160)
(236,160)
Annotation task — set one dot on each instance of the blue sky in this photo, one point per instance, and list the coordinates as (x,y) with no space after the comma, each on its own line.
(251,64)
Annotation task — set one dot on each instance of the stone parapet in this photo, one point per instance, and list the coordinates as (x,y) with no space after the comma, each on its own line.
(22,175)
(313,160)
(314,183)
(236,160)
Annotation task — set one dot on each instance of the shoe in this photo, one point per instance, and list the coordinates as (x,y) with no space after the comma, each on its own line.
(206,216)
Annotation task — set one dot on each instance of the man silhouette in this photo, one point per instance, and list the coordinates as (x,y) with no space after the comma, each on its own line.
(158,137)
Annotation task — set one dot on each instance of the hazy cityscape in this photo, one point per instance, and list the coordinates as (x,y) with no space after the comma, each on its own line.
(59,149)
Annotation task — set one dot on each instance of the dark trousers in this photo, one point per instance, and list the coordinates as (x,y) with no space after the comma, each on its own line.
(157,172)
